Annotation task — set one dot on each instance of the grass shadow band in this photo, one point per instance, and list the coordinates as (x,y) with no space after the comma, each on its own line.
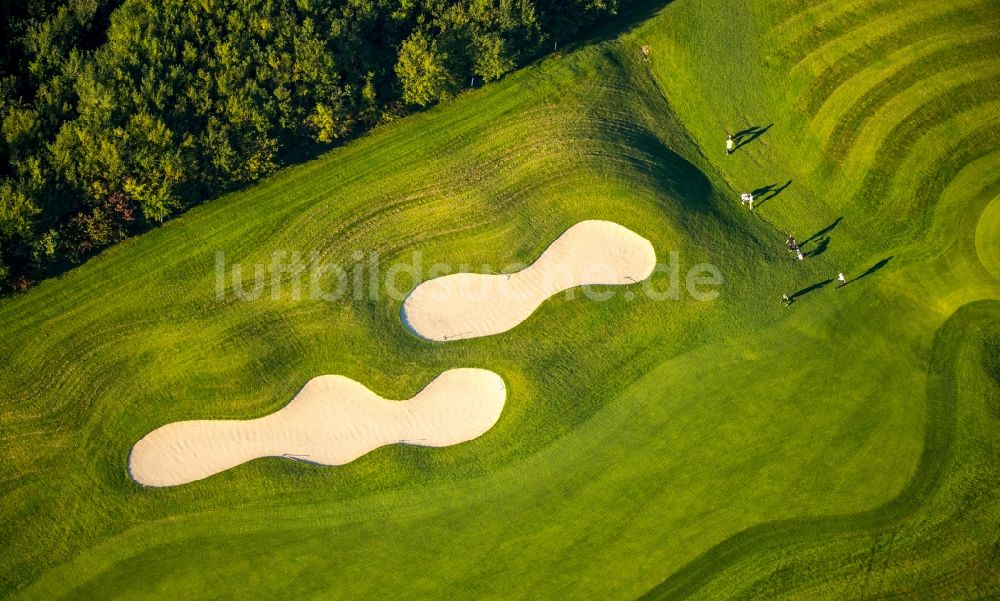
(938,453)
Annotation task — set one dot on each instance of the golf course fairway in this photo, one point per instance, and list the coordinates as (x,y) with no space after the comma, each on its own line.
(658,443)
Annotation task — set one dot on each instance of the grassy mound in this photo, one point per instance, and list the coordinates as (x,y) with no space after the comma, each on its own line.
(665,447)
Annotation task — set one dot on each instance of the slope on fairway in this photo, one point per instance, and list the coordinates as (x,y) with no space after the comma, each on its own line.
(641,437)
(894,123)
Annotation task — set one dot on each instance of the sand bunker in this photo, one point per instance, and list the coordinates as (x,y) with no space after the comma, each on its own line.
(331,421)
(469,305)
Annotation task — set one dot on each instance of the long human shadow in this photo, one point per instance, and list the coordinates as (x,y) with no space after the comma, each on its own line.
(762,195)
(821,247)
(824,231)
(872,269)
(748,135)
(809,289)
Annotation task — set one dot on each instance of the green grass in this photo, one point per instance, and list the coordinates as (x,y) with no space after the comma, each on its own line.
(935,540)
(843,447)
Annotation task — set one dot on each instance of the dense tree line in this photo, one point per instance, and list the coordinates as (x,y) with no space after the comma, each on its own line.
(118,114)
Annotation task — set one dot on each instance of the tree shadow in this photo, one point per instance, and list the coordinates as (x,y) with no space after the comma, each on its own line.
(821,247)
(808,289)
(761,195)
(748,135)
(630,15)
(824,231)
(872,269)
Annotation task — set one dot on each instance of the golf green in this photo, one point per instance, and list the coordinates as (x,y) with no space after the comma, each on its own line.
(652,445)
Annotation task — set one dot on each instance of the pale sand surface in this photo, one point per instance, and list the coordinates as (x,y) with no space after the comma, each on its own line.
(332,421)
(469,305)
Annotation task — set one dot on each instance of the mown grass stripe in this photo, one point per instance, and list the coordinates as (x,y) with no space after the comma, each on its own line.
(762,561)
(851,122)
(806,31)
(638,434)
(836,63)
(955,156)
(881,166)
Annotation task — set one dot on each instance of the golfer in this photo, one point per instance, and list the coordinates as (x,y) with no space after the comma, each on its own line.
(730,144)
(842,280)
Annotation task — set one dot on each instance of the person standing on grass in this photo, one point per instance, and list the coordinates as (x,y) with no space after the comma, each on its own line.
(791,244)
(785,300)
(799,255)
(730,144)
(746,199)
(842,280)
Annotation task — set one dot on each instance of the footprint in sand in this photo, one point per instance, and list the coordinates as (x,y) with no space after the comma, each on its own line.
(331,421)
(470,305)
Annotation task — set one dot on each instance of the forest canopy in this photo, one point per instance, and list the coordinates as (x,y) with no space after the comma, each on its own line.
(117,115)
